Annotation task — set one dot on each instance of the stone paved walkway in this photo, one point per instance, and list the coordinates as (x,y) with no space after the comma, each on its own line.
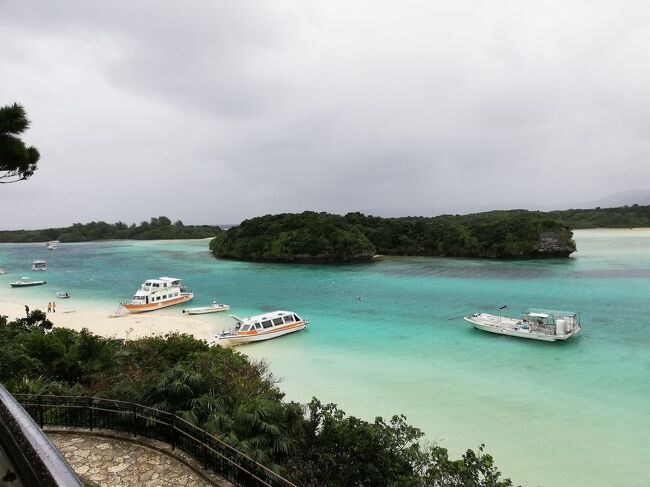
(118,463)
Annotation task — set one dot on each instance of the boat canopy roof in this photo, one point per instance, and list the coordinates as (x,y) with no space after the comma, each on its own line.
(162,280)
(546,313)
(39,262)
(266,316)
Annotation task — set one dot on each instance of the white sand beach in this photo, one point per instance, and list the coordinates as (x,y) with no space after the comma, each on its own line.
(100,321)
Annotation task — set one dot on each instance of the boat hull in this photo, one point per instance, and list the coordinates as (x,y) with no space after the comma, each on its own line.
(507,326)
(27,284)
(143,308)
(203,311)
(258,337)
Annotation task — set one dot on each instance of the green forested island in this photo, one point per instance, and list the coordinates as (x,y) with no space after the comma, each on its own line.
(155,229)
(633,216)
(323,237)
(235,399)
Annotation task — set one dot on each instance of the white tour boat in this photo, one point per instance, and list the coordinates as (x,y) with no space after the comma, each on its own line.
(545,325)
(156,294)
(39,265)
(261,327)
(26,282)
(53,245)
(213,308)
(3,271)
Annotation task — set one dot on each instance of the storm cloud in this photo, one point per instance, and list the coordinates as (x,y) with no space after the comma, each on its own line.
(214,111)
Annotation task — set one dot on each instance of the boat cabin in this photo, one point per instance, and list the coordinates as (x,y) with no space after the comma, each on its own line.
(551,322)
(262,323)
(161,289)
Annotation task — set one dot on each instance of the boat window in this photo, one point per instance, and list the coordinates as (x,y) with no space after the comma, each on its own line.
(277,321)
(246,327)
(156,284)
(267,324)
(164,296)
(258,326)
(288,318)
(295,317)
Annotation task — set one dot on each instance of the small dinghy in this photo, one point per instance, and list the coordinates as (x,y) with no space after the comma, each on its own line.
(63,294)
(213,308)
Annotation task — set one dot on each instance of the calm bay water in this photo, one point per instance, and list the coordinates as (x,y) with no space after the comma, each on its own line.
(387,338)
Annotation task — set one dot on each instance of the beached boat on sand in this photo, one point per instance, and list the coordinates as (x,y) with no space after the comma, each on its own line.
(159,293)
(539,324)
(26,282)
(213,308)
(261,327)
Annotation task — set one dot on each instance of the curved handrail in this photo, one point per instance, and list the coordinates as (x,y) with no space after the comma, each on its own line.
(95,412)
(34,460)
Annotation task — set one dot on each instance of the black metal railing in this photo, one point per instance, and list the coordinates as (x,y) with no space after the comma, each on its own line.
(138,420)
(26,455)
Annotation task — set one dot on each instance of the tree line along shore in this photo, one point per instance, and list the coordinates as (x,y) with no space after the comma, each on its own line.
(355,237)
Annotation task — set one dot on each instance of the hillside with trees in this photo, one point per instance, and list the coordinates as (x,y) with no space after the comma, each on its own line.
(155,229)
(633,216)
(323,237)
(237,400)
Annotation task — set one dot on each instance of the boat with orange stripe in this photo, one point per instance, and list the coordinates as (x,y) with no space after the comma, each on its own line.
(158,293)
(261,327)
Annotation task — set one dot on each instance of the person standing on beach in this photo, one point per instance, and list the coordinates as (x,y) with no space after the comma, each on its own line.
(49,307)
(27,310)
(53,307)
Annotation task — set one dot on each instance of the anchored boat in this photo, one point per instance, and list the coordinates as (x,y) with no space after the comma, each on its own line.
(213,308)
(539,324)
(158,293)
(261,327)
(53,245)
(39,265)
(26,282)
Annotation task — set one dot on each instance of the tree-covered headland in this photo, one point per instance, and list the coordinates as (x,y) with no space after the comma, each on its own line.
(323,237)
(236,399)
(155,229)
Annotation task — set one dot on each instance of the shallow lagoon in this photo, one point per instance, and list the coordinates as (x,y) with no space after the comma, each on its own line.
(387,338)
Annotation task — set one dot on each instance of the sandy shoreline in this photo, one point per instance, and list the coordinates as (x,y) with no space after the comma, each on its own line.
(101,323)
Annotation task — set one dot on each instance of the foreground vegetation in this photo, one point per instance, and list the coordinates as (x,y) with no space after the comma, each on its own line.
(155,229)
(18,161)
(323,237)
(621,217)
(235,399)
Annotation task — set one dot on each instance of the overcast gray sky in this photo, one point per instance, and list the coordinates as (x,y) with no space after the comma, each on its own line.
(213,111)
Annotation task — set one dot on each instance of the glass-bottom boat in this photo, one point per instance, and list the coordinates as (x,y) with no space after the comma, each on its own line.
(539,324)
(261,327)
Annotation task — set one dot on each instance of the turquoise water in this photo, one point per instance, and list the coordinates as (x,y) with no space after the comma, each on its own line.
(386,338)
